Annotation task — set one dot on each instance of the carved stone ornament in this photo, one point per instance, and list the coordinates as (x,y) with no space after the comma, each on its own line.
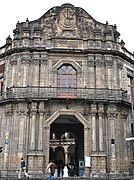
(99,63)
(8,113)
(93,108)
(108,63)
(85,30)
(119,65)
(124,116)
(25,61)
(50,26)
(67,18)
(91,63)
(13,62)
(44,61)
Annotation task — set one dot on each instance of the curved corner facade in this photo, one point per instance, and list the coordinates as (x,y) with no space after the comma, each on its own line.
(66,94)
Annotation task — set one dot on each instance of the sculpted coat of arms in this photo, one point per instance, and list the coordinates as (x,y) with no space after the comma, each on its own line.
(67,18)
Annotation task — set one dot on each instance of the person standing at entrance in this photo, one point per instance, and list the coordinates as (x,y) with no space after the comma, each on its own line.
(23,169)
(51,167)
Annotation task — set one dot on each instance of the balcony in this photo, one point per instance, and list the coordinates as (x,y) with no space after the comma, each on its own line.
(40,93)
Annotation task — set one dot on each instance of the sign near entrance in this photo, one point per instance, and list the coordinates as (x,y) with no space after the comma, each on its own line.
(87,161)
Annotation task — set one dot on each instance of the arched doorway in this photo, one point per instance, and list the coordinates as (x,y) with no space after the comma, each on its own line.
(67,141)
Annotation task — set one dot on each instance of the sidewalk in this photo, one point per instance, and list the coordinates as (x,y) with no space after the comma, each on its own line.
(72,178)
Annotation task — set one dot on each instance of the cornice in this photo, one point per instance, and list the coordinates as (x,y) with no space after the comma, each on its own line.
(71,51)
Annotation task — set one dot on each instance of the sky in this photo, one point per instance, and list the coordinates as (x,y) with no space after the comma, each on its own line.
(119,12)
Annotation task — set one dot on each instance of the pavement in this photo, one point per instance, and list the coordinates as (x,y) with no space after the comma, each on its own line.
(71,178)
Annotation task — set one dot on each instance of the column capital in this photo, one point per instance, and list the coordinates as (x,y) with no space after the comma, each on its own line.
(93,108)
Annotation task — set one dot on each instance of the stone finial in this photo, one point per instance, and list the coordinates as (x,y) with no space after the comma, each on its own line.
(115,26)
(17,24)
(27,22)
(9,40)
(122,43)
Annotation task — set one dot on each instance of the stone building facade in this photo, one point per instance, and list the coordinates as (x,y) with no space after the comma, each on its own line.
(66,94)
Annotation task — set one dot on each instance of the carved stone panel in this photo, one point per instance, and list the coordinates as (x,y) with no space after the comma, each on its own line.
(64,43)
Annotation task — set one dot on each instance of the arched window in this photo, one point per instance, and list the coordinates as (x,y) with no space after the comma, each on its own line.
(67,81)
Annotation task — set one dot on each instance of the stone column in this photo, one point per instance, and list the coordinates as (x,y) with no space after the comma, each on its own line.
(33,119)
(40,130)
(46,140)
(13,75)
(66,155)
(8,115)
(93,119)
(35,70)
(111,115)
(108,76)
(25,72)
(120,77)
(6,152)
(100,112)
(32,130)
(99,71)
(40,126)
(21,113)
(125,156)
(87,148)
(22,117)
(91,71)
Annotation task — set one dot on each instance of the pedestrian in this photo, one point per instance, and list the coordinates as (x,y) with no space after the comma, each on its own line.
(51,168)
(65,174)
(70,169)
(23,169)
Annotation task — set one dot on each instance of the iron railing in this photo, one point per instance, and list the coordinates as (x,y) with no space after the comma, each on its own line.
(34,92)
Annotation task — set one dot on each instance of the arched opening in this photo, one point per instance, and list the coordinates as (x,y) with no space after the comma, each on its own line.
(67,141)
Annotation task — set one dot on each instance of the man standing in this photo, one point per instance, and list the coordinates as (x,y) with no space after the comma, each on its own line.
(23,169)
(51,167)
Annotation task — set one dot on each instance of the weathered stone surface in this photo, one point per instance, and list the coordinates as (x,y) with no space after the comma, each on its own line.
(65,95)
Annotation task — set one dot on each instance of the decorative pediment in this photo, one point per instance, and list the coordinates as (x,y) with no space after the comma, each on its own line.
(59,21)
(67,21)
(64,26)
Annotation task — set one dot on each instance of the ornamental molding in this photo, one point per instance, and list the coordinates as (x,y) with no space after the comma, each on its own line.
(93,108)
(97,63)
(108,63)
(100,108)
(111,115)
(13,62)
(22,112)
(25,61)
(119,65)
(8,113)
(69,61)
(91,63)
(34,61)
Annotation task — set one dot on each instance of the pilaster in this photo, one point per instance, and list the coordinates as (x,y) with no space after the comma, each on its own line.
(101,126)
(111,115)
(8,114)
(46,144)
(93,119)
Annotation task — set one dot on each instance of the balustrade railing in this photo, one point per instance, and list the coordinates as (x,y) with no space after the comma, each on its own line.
(64,92)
